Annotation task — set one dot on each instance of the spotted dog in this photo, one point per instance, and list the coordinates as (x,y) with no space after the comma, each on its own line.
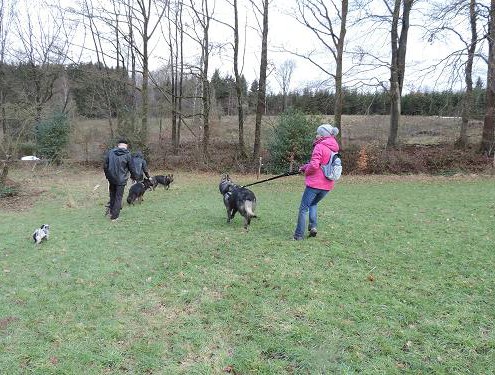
(42,233)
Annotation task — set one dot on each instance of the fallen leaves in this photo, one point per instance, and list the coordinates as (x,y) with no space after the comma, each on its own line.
(230,369)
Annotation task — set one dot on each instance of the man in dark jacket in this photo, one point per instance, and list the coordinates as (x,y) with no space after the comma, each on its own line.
(117,167)
(140,166)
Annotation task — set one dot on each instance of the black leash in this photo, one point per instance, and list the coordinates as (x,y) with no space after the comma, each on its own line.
(273,178)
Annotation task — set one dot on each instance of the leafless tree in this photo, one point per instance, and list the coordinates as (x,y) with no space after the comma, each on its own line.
(43,50)
(135,22)
(260,107)
(180,71)
(175,43)
(6,21)
(400,12)
(327,20)
(142,13)
(447,21)
(488,137)
(201,19)
(284,76)
(238,81)
(237,74)
(36,64)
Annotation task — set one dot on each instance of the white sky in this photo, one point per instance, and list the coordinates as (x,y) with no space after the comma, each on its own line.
(286,33)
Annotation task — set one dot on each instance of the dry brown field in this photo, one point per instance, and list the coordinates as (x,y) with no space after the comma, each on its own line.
(424,140)
(90,136)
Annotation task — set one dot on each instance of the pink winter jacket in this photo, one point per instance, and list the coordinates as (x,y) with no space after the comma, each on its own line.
(322,148)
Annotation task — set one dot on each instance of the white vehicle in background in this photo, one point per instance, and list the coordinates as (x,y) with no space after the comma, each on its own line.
(30,157)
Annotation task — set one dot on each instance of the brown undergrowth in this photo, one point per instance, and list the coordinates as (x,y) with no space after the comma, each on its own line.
(407,159)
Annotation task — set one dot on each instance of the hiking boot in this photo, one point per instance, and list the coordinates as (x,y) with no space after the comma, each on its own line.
(313,232)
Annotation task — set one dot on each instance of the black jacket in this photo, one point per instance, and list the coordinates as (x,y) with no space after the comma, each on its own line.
(140,166)
(118,165)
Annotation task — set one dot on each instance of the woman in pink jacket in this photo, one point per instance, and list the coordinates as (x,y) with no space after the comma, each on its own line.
(317,185)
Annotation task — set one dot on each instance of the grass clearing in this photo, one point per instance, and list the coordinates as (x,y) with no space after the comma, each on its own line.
(399,278)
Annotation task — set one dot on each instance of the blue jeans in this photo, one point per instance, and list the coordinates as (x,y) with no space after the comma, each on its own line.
(310,199)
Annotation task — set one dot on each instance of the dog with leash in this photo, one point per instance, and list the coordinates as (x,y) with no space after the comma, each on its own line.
(237,199)
(162,180)
(137,191)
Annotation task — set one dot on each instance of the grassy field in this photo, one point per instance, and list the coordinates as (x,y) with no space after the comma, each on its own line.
(398,280)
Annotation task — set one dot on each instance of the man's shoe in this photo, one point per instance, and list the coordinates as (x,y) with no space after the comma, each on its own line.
(297,238)
(313,232)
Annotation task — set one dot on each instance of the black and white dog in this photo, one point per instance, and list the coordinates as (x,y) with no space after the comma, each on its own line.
(137,191)
(162,180)
(237,198)
(41,234)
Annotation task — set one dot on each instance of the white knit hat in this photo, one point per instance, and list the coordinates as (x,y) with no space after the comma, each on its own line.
(326,130)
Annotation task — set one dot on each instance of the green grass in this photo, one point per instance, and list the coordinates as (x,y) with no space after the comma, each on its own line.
(399,279)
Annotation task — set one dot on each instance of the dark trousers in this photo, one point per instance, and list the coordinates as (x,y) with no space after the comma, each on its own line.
(116,194)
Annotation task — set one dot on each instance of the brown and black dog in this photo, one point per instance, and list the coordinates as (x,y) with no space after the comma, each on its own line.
(162,180)
(237,198)
(137,191)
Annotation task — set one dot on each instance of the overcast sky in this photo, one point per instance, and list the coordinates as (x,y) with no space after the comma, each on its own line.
(287,34)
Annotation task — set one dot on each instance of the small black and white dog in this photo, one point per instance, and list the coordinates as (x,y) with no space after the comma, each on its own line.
(41,234)
(162,180)
(137,191)
(237,198)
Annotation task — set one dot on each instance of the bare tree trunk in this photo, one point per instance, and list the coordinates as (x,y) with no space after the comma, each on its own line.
(181,78)
(144,85)
(133,67)
(117,37)
(468,77)
(260,108)
(173,75)
(397,66)
(205,94)
(339,95)
(5,170)
(205,97)
(3,41)
(3,118)
(238,83)
(487,137)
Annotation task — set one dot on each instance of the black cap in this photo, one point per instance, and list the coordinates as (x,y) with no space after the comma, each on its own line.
(122,140)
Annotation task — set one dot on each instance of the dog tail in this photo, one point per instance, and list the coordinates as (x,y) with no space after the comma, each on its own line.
(250,206)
